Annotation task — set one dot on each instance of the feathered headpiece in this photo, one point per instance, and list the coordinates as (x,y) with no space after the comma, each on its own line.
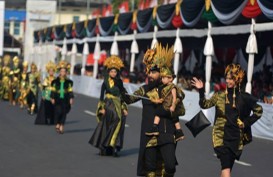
(161,58)
(50,65)
(164,59)
(113,62)
(236,72)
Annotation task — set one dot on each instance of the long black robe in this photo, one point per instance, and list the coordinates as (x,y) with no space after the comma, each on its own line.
(166,126)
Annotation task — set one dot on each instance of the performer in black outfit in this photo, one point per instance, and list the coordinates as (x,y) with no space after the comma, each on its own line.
(156,150)
(61,96)
(233,119)
(111,112)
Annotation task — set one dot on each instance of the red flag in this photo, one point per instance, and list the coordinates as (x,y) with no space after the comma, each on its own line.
(124,7)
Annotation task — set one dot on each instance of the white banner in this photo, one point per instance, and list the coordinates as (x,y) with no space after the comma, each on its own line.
(2,16)
(40,14)
(263,128)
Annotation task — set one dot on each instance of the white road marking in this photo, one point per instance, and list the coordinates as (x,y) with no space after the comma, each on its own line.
(240,162)
(90,113)
(243,163)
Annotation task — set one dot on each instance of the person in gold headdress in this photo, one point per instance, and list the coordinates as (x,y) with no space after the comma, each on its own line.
(5,78)
(23,86)
(61,96)
(46,110)
(33,88)
(156,153)
(111,112)
(169,100)
(15,81)
(233,120)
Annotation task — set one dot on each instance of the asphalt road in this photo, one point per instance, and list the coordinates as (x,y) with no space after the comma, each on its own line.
(28,150)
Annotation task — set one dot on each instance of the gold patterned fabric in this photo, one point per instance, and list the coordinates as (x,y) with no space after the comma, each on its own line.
(224,129)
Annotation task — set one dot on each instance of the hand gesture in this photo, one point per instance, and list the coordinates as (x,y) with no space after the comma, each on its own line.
(172,108)
(52,101)
(71,101)
(197,83)
(102,111)
(125,112)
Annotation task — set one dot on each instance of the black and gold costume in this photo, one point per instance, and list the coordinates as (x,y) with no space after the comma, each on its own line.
(24,86)
(15,81)
(149,160)
(62,93)
(108,136)
(46,109)
(228,138)
(33,89)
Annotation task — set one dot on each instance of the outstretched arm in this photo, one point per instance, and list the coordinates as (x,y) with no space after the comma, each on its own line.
(203,102)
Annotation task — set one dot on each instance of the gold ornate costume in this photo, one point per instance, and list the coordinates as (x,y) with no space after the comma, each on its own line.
(23,86)
(15,81)
(5,78)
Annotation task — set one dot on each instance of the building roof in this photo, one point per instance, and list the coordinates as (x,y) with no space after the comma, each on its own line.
(21,4)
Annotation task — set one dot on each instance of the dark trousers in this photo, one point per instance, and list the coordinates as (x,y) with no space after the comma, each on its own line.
(60,111)
(167,152)
(49,112)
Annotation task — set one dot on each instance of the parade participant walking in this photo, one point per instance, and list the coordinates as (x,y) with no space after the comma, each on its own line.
(159,149)
(5,85)
(46,110)
(61,96)
(15,81)
(33,88)
(169,98)
(233,120)
(23,86)
(111,111)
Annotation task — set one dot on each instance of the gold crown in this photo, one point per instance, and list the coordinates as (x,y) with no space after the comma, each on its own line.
(6,59)
(113,62)
(25,64)
(15,59)
(236,72)
(63,64)
(50,65)
(148,59)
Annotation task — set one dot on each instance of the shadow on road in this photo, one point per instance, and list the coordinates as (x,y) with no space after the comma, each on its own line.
(128,152)
(79,130)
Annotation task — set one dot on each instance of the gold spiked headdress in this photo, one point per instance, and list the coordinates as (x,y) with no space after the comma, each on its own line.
(164,59)
(113,62)
(50,65)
